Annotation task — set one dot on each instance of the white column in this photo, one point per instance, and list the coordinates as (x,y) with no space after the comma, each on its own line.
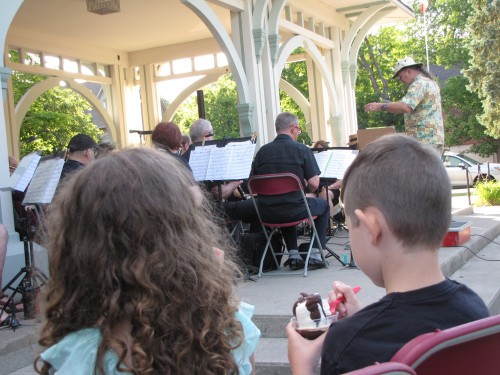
(252,111)
(8,9)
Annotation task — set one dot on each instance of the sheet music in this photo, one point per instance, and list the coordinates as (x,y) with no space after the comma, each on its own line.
(322,159)
(198,161)
(24,172)
(238,143)
(337,163)
(218,166)
(240,163)
(44,183)
(232,162)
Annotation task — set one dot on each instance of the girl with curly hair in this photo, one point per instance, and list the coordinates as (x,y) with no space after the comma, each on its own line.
(136,286)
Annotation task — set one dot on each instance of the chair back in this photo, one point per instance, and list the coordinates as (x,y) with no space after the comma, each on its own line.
(471,348)
(274,184)
(278,184)
(386,368)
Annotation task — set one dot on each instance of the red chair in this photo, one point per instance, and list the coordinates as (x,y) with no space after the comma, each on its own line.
(278,184)
(386,368)
(472,348)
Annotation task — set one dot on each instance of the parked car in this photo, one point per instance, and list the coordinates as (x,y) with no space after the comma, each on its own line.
(457,164)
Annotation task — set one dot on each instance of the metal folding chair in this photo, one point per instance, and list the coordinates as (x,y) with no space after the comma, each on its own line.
(278,184)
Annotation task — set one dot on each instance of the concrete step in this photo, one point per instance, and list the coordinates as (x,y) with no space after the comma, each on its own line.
(19,348)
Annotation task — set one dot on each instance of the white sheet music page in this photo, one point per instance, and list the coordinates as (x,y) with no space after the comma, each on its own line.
(198,161)
(218,165)
(44,183)
(240,162)
(338,163)
(24,172)
(322,159)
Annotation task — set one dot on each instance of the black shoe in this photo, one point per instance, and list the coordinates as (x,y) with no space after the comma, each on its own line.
(315,264)
(295,264)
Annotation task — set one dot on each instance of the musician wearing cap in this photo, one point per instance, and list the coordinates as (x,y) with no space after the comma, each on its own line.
(81,151)
(421,106)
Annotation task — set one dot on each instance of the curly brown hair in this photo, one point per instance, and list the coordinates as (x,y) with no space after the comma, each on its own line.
(127,245)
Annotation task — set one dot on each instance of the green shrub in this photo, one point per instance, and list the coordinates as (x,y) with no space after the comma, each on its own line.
(488,193)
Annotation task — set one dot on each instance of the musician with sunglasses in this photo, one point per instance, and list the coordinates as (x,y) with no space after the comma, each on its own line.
(421,106)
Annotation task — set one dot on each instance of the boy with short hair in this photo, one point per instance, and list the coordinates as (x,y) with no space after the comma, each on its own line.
(397,199)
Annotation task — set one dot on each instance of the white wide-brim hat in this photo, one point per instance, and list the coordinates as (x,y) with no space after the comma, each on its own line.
(404,63)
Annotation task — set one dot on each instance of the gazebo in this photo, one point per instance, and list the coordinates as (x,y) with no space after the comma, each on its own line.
(130,49)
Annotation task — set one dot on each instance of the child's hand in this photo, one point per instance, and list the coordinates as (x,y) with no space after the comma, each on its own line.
(351,304)
(303,354)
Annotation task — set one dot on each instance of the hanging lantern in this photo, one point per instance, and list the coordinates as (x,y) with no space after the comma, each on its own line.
(102,7)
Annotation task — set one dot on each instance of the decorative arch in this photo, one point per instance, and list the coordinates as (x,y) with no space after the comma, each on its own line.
(298,98)
(205,13)
(172,108)
(286,50)
(41,87)
(360,37)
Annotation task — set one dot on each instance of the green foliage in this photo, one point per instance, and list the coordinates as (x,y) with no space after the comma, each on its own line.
(376,59)
(462,109)
(220,108)
(447,34)
(484,70)
(488,193)
(53,118)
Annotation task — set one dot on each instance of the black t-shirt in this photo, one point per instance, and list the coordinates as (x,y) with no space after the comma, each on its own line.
(284,155)
(70,166)
(377,332)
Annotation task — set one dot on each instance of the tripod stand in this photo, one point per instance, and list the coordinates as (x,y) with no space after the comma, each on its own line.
(27,278)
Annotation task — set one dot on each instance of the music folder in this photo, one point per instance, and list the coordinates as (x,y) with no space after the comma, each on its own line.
(333,163)
(232,162)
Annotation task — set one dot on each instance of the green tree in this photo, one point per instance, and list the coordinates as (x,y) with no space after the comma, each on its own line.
(484,70)
(376,59)
(220,108)
(53,118)
(462,109)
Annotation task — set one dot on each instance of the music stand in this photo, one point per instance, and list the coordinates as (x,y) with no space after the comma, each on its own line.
(333,161)
(43,180)
(28,277)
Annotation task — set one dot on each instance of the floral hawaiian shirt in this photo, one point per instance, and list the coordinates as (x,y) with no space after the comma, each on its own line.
(425,122)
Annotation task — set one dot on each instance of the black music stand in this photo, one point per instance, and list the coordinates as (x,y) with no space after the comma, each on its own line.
(27,278)
(339,224)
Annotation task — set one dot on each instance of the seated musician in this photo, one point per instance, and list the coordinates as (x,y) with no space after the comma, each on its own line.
(235,209)
(285,155)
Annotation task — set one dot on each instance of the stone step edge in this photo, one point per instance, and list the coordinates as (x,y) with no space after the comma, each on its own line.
(453,263)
